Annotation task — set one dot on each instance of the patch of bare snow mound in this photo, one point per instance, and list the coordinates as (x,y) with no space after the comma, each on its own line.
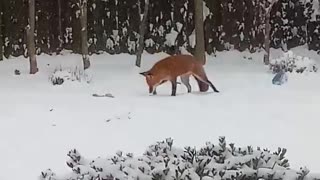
(60,76)
(290,62)
(163,161)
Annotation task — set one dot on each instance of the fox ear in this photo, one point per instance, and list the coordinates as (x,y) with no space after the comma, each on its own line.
(146,73)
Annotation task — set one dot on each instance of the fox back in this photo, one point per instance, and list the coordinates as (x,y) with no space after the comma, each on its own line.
(175,66)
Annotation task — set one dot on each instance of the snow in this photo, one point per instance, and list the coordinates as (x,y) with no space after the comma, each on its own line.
(192,39)
(206,10)
(40,123)
(315,8)
(171,38)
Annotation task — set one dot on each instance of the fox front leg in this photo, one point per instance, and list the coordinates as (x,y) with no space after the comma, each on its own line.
(155,88)
(174,87)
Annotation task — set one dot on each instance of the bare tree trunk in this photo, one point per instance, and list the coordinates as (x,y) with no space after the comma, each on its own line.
(84,34)
(142,30)
(1,35)
(266,57)
(199,49)
(60,37)
(30,38)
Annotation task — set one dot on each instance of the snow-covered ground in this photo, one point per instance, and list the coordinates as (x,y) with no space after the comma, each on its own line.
(40,123)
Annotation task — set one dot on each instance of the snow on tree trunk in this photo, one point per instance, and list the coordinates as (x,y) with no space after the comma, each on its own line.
(30,38)
(84,34)
(199,48)
(142,30)
(266,57)
(1,36)
(316,9)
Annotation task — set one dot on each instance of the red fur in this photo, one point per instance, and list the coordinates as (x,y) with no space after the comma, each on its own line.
(171,67)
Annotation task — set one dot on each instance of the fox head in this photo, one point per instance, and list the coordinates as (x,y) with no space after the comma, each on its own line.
(152,80)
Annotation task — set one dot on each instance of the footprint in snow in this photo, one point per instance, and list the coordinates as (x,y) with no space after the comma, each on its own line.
(126,116)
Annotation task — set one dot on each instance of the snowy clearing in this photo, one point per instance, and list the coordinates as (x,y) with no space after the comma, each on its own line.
(40,122)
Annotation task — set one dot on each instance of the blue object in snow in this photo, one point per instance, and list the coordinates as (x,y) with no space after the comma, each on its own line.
(280,78)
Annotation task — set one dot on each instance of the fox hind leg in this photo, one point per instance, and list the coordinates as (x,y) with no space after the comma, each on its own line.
(201,75)
(206,80)
(203,87)
(212,86)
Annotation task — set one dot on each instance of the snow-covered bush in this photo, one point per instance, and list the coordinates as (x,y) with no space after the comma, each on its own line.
(163,161)
(290,62)
(59,76)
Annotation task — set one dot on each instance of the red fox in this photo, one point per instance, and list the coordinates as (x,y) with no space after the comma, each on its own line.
(169,68)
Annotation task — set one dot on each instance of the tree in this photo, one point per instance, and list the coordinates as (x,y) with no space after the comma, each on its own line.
(199,48)
(60,36)
(1,34)
(269,5)
(142,30)
(84,34)
(30,38)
